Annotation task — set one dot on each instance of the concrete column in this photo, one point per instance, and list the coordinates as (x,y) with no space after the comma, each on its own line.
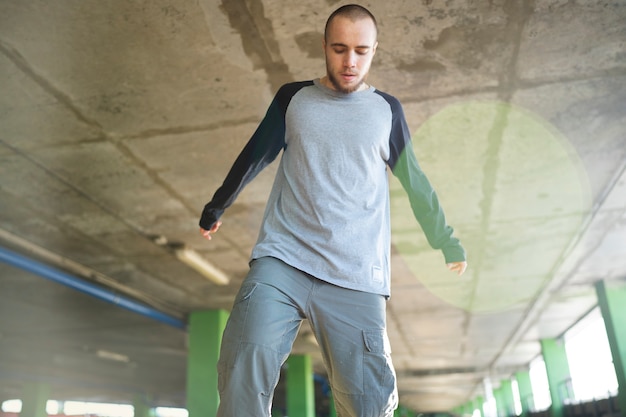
(525,392)
(205,337)
(500,408)
(60,407)
(557,368)
(35,396)
(300,389)
(612,301)
(489,406)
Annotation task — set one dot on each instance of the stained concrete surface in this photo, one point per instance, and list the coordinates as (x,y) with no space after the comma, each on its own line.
(118,120)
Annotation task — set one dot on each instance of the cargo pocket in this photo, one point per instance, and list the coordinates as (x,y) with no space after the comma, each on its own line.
(378,373)
(376,341)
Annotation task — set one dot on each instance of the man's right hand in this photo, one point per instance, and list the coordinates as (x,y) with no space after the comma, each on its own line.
(213,229)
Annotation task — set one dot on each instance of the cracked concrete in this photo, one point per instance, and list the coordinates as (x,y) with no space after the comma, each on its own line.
(119,119)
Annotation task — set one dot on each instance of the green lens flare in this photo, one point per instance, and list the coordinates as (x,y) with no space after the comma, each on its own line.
(514,190)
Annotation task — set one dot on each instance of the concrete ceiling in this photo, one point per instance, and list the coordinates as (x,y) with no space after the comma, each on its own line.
(119,119)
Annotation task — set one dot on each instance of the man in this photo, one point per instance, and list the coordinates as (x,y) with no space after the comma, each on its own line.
(324,245)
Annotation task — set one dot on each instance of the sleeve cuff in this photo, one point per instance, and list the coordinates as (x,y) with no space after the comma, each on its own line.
(454,253)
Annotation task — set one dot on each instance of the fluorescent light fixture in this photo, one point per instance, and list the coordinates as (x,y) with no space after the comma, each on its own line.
(193,259)
(112,356)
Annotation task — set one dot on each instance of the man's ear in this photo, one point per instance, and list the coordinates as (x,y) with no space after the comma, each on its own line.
(374,48)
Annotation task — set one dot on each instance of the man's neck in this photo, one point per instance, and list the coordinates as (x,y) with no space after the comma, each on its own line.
(326,82)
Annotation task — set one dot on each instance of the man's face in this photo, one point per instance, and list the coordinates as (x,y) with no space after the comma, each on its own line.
(349,49)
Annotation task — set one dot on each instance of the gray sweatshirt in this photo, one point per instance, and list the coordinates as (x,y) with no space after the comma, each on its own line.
(328,211)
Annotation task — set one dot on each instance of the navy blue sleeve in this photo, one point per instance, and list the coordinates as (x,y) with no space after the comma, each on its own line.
(262,148)
(422,196)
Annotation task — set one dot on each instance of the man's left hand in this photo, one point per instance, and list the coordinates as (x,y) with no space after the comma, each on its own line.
(458,267)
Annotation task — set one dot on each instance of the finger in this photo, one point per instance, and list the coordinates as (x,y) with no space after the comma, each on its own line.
(215,227)
(205,233)
(458,267)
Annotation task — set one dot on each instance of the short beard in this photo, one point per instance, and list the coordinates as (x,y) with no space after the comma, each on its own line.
(338,87)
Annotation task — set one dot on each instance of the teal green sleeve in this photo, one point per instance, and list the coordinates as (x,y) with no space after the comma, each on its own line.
(426,207)
(422,196)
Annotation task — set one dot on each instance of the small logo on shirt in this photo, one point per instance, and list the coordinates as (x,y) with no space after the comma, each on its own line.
(377,274)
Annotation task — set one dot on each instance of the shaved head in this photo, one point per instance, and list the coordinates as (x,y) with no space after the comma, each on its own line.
(353,12)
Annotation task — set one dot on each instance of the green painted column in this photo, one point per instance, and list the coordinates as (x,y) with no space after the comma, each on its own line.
(508,400)
(300,388)
(478,405)
(612,301)
(141,406)
(34,399)
(205,337)
(557,368)
(333,411)
(525,392)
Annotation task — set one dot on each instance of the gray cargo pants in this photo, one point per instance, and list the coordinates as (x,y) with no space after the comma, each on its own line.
(267,313)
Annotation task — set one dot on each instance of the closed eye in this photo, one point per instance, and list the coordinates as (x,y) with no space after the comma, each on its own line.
(359,51)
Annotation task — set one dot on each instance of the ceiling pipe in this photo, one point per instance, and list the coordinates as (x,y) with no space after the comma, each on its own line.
(73,282)
(54,260)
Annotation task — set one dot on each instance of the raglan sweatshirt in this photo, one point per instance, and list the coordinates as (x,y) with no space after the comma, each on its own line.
(328,213)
